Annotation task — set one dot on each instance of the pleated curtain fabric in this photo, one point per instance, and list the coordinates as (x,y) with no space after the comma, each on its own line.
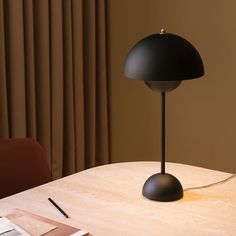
(53,79)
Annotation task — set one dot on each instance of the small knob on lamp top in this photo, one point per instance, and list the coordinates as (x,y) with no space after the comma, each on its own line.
(162,31)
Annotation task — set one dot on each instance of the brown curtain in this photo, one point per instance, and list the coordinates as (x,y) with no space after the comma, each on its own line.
(53,83)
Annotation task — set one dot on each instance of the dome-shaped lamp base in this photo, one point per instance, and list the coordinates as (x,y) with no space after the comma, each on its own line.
(162,187)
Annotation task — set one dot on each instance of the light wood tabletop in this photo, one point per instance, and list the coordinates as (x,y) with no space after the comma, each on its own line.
(107,200)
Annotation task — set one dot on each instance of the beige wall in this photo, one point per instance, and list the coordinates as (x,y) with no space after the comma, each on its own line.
(201,114)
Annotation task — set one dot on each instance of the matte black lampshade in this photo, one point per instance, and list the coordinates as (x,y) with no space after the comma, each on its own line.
(163,61)
(163,57)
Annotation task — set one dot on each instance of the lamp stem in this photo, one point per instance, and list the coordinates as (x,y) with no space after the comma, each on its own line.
(162,132)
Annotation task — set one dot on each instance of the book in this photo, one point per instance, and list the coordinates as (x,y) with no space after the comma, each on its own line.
(36,225)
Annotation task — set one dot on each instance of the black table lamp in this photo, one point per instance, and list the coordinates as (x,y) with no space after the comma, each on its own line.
(163,61)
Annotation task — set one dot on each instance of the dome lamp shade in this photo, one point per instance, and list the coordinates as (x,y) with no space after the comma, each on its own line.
(163,57)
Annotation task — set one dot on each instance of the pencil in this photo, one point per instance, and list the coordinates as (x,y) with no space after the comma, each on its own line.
(58,208)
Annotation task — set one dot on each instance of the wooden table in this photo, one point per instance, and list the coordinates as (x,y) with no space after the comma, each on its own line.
(107,200)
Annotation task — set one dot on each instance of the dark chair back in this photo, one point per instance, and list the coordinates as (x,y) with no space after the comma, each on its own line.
(23,165)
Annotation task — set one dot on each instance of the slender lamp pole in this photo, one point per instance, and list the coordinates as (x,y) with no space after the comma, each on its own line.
(163,133)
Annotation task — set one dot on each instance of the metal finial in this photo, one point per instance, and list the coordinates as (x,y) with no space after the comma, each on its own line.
(163,31)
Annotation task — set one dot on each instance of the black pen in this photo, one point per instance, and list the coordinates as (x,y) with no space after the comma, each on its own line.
(58,208)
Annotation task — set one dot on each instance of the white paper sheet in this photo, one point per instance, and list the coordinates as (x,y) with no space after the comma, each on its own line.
(7,228)
(80,233)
